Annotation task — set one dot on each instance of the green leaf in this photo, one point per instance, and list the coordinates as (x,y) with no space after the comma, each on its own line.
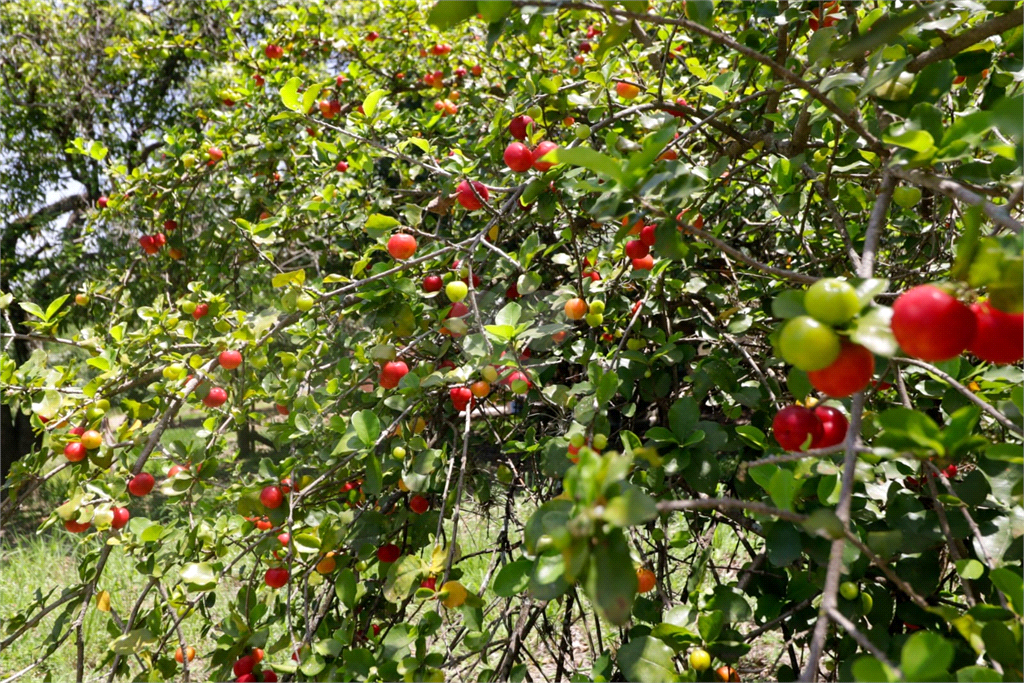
(917,140)
(872,330)
(367,426)
(379,221)
(606,389)
(970,569)
(54,306)
(345,587)
(297,277)
(493,10)
(926,656)
(370,103)
(631,508)
(789,304)
(646,659)
(309,97)
(306,543)
(547,581)
(752,435)
(799,383)
(448,13)
(867,669)
(700,11)
(199,576)
(978,674)
(683,417)
(614,34)
(513,578)
(32,309)
(611,582)
(783,488)
(1012,586)
(602,164)
(710,625)
(133,642)
(403,577)
(290,94)
(509,315)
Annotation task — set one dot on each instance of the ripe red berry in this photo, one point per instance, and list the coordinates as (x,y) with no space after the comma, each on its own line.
(269,676)
(517,127)
(999,337)
(201,310)
(932,325)
(341,167)
(75,527)
(849,373)
(432,283)
(244,665)
(230,359)
(121,517)
(276,577)
(170,225)
(518,157)
(429,582)
(647,235)
(102,202)
(392,373)
(793,425)
(539,152)
(645,263)
(636,249)
(833,426)
(75,451)
(461,397)
(467,199)
(273,51)
(401,246)
(215,398)
(272,497)
(387,554)
(141,484)
(419,504)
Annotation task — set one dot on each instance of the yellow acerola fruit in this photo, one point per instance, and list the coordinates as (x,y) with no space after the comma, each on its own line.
(456,594)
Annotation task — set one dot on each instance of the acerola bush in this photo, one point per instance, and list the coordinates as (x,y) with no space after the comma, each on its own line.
(582,341)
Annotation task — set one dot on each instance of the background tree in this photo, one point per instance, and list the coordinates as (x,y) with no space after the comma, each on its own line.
(643,289)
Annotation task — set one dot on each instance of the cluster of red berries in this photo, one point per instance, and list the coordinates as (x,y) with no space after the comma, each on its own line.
(796,427)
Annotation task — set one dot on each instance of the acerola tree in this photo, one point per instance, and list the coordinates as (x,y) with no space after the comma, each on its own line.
(563,267)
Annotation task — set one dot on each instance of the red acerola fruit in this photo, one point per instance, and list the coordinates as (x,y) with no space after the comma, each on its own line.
(372,36)
(467,199)
(833,426)
(121,517)
(244,665)
(392,373)
(645,263)
(170,225)
(215,398)
(849,373)
(517,126)
(518,157)
(75,451)
(429,582)
(141,484)
(401,246)
(269,676)
(419,504)
(461,397)
(102,202)
(75,527)
(200,311)
(932,325)
(229,359)
(432,283)
(272,497)
(273,51)
(647,235)
(636,249)
(512,293)
(341,167)
(999,337)
(276,577)
(793,425)
(539,152)
(387,554)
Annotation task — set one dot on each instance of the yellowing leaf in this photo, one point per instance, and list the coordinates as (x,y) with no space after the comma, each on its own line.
(103,601)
